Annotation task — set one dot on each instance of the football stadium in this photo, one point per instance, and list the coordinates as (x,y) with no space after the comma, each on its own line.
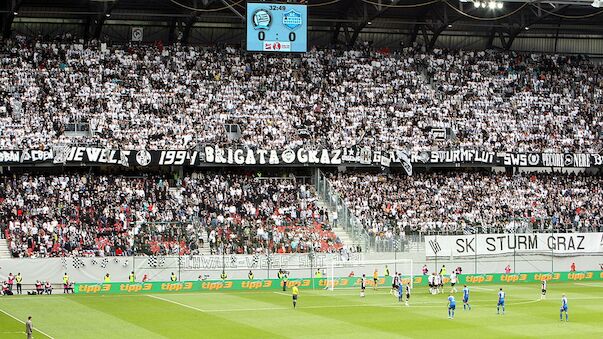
(301,169)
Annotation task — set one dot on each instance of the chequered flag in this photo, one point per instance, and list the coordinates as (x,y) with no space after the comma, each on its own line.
(152,261)
(93,262)
(397,243)
(256,261)
(104,262)
(64,262)
(155,262)
(78,263)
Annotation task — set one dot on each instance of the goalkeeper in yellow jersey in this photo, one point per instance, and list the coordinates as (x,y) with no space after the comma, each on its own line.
(295,294)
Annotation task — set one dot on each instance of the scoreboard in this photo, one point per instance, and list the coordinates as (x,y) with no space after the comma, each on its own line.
(273,27)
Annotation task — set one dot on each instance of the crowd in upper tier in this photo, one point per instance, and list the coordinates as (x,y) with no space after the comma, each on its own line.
(97,215)
(156,97)
(459,202)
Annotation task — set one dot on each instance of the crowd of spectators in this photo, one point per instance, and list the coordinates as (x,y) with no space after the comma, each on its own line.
(100,215)
(156,97)
(458,202)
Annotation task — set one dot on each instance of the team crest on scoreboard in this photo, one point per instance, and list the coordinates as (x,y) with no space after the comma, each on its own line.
(292,19)
(262,19)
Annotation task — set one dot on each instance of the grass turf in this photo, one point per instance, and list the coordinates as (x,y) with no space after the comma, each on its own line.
(320,314)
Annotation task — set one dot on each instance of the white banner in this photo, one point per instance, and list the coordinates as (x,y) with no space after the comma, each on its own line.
(495,244)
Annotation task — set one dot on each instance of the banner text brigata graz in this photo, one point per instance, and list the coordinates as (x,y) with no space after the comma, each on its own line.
(236,156)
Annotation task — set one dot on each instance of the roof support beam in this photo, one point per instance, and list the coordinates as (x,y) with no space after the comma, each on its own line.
(525,24)
(97,26)
(366,19)
(8,17)
(172,31)
(232,9)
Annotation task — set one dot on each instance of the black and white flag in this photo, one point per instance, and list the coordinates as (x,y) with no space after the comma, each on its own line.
(78,263)
(155,262)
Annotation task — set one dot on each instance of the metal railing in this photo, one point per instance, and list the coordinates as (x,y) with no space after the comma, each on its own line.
(345,217)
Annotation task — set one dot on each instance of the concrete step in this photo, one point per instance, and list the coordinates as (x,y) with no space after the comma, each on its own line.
(4,250)
(205,249)
(342,234)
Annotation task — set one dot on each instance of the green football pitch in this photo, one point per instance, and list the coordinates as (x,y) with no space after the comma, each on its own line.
(320,314)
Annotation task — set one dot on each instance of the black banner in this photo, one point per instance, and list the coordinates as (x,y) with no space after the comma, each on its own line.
(477,157)
(367,157)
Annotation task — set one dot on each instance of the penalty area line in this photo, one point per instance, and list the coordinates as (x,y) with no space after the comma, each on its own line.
(22,322)
(177,303)
(277,308)
(590,285)
(282,293)
(482,288)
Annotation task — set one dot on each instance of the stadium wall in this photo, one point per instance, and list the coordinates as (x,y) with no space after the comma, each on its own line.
(298,265)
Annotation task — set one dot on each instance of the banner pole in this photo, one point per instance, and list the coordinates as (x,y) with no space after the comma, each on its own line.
(396,256)
(179,251)
(514,260)
(268,262)
(552,251)
(435,269)
(312,266)
(476,247)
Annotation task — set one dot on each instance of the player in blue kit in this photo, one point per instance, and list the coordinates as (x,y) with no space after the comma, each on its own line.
(501,302)
(563,308)
(466,298)
(400,291)
(451,306)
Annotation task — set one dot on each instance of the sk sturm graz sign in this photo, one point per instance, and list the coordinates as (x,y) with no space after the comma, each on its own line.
(500,244)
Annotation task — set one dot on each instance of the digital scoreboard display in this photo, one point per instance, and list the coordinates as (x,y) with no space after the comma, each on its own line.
(277,27)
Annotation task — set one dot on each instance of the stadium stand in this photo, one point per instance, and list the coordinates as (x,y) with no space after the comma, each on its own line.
(101,215)
(155,97)
(461,202)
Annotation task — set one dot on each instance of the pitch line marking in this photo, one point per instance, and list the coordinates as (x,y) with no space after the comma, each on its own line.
(421,305)
(22,322)
(590,285)
(482,288)
(176,303)
(282,293)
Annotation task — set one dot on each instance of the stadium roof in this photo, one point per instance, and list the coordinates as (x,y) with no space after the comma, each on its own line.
(344,19)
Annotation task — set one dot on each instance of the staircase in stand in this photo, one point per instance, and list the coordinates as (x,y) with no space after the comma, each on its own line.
(4,251)
(205,249)
(341,233)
